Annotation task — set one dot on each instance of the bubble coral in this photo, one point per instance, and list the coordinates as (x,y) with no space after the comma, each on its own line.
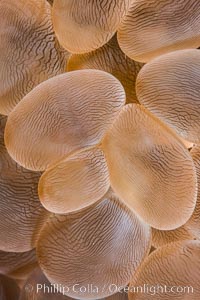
(100,245)
(75,182)
(29,50)
(169,86)
(150,169)
(175,265)
(21,214)
(83,26)
(62,115)
(152,28)
(111,59)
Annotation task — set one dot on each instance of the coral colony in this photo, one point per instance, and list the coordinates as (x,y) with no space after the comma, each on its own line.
(99,149)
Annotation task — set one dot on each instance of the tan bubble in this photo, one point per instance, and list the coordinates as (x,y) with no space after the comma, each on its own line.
(152,28)
(83,26)
(63,114)
(29,50)
(75,182)
(175,266)
(101,245)
(150,169)
(169,87)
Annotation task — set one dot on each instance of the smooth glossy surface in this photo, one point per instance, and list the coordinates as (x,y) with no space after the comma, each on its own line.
(175,266)
(85,25)
(75,182)
(29,50)
(150,169)
(21,213)
(111,59)
(169,87)
(64,114)
(152,28)
(101,245)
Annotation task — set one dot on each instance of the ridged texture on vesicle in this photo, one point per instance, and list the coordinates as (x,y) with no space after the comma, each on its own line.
(150,169)
(75,182)
(29,50)
(85,25)
(64,114)
(162,237)
(101,245)
(37,287)
(175,266)
(8,289)
(193,225)
(169,87)
(152,28)
(111,59)
(17,265)
(21,213)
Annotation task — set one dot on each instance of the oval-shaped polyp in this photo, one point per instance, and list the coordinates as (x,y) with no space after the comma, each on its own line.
(152,28)
(150,169)
(61,115)
(170,272)
(169,87)
(75,182)
(89,250)
(29,50)
(83,26)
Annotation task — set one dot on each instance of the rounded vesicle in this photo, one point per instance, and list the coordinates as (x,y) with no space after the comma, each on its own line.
(62,115)
(83,26)
(75,182)
(169,86)
(170,272)
(101,245)
(193,225)
(162,237)
(29,50)
(21,213)
(152,28)
(17,265)
(111,59)
(150,169)
(8,288)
